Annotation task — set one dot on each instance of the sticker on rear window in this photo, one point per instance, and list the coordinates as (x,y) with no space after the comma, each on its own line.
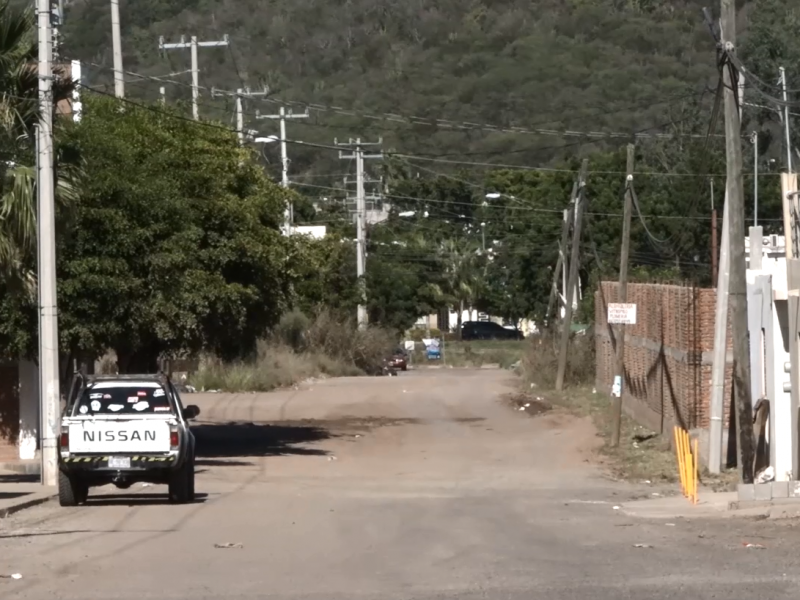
(133,399)
(139,406)
(141,393)
(115,407)
(158,393)
(96,405)
(161,408)
(83,409)
(95,396)
(106,396)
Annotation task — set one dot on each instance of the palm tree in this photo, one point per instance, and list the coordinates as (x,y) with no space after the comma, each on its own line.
(19,112)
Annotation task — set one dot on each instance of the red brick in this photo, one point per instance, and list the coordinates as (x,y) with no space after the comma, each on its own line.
(661,389)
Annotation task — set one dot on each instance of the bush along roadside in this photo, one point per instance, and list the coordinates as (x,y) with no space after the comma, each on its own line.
(298,349)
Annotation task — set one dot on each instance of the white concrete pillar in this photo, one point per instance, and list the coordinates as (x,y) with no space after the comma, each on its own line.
(28,409)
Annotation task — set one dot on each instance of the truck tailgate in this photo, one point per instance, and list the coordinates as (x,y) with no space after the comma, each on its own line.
(89,436)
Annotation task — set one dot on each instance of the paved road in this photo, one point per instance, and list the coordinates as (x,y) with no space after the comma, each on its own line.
(425,486)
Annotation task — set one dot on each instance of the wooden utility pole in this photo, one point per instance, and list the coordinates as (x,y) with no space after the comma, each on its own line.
(562,253)
(738,283)
(622,297)
(572,281)
(713,236)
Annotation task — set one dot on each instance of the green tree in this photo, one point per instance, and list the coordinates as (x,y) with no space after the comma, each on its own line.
(19,113)
(175,245)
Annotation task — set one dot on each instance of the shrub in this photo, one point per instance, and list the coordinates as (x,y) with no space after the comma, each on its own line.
(540,363)
(298,349)
(291,330)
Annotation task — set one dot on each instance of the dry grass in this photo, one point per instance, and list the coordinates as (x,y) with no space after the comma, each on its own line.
(299,349)
(642,455)
(540,362)
(477,353)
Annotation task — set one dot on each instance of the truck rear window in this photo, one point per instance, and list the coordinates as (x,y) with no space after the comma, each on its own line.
(123,397)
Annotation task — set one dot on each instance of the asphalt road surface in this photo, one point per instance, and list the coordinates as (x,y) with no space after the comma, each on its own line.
(423,486)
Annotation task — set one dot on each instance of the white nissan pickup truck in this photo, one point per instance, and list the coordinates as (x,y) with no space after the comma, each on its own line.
(124,429)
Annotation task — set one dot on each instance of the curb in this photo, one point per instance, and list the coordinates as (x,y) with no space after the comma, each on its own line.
(7,511)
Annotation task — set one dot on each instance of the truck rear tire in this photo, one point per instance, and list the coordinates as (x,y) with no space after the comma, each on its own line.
(181,484)
(71,490)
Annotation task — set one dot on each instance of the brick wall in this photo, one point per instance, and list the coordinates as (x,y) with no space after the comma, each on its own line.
(9,412)
(668,354)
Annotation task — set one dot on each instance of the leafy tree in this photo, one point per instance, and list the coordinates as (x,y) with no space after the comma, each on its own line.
(19,113)
(772,41)
(175,245)
(324,274)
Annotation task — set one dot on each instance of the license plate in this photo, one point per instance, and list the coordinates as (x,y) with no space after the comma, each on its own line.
(119,462)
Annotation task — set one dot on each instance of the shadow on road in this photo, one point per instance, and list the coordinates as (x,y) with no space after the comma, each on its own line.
(7,536)
(19,478)
(214,462)
(243,439)
(11,495)
(137,499)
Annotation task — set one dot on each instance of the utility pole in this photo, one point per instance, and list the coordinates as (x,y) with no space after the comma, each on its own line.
(116,38)
(193,45)
(713,235)
(786,122)
(282,116)
(754,140)
(240,95)
(562,257)
(359,155)
(162,93)
(736,237)
(574,267)
(50,396)
(622,297)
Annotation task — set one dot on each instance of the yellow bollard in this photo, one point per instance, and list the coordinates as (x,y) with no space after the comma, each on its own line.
(688,456)
(696,469)
(679,455)
(689,462)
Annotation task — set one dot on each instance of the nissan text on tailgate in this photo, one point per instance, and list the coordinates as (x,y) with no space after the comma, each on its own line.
(124,429)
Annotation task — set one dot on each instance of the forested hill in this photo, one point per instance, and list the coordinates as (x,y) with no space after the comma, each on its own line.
(596,65)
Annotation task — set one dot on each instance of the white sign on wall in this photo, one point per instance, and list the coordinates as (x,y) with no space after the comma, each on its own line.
(622,314)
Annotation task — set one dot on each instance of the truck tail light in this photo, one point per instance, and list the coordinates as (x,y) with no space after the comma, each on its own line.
(173,439)
(64,442)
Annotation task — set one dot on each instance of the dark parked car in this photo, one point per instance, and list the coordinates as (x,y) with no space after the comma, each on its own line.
(399,360)
(486,330)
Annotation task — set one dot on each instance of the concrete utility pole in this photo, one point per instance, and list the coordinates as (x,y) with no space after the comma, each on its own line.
(193,44)
(574,267)
(50,397)
(562,261)
(719,364)
(736,237)
(786,122)
(754,141)
(622,297)
(282,116)
(714,244)
(240,95)
(361,245)
(116,37)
